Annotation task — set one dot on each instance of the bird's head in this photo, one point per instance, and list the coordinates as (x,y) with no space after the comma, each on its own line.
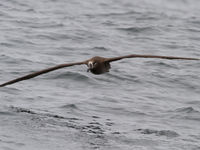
(91,65)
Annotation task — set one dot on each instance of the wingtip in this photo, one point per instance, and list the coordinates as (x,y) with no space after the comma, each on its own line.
(1,85)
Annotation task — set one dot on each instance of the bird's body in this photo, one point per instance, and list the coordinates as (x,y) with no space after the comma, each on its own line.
(96,65)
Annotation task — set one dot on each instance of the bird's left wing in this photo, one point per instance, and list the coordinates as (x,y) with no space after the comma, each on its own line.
(32,75)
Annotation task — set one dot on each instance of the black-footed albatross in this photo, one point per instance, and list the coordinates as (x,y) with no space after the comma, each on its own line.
(96,65)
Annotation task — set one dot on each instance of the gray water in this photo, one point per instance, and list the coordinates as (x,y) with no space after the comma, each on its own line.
(141,104)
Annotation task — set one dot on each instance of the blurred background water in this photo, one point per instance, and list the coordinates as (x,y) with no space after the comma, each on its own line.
(141,104)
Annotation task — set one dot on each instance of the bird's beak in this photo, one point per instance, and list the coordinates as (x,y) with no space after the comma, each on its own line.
(90,66)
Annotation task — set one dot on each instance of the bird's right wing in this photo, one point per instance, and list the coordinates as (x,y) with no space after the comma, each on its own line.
(32,75)
(148,56)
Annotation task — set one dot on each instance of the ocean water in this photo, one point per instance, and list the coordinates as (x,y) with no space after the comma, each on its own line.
(141,104)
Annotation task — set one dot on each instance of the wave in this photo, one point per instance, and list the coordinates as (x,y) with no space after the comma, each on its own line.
(119,14)
(167,133)
(130,78)
(188,113)
(102,48)
(138,29)
(53,36)
(29,111)
(187,110)
(6,113)
(70,106)
(91,128)
(6,44)
(71,75)
(165,64)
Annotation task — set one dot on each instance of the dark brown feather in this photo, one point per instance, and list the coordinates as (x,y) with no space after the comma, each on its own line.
(32,75)
(103,65)
(148,56)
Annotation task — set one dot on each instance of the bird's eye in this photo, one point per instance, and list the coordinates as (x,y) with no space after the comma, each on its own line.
(95,63)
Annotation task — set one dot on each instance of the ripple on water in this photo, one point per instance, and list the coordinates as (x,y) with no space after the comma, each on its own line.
(100,48)
(188,113)
(41,114)
(70,106)
(167,133)
(92,130)
(71,75)
(134,30)
(186,110)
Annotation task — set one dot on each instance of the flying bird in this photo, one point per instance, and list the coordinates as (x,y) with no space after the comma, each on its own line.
(96,65)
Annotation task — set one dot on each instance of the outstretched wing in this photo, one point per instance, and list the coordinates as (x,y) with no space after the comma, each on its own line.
(148,56)
(32,75)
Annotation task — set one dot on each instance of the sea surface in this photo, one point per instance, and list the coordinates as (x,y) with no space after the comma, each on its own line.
(141,104)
